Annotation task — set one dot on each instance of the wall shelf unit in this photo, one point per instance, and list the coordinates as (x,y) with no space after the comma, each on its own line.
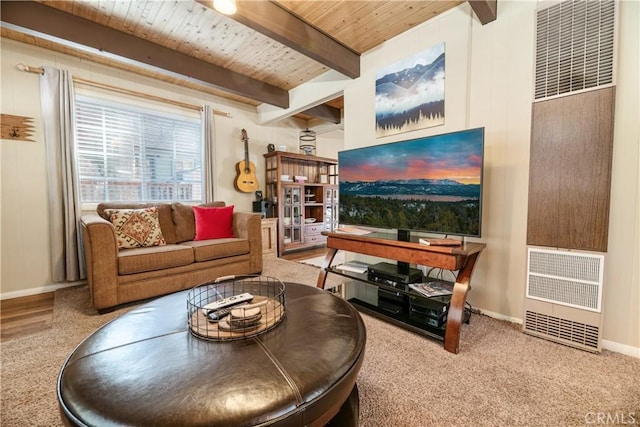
(304,208)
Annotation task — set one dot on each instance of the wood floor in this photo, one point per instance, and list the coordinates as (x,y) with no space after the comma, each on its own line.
(25,315)
(33,313)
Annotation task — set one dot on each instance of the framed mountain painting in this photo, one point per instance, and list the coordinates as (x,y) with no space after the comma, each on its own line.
(410,93)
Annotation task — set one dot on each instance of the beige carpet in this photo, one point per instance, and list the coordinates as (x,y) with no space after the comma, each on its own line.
(500,378)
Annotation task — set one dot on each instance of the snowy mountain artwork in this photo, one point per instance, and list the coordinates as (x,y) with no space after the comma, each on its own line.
(410,93)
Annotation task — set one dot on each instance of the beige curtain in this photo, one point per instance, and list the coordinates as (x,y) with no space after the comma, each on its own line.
(57,99)
(208,163)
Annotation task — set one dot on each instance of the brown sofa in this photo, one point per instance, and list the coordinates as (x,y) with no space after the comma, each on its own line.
(119,276)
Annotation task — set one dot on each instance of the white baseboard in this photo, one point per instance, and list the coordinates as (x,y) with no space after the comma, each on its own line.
(621,348)
(40,290)
(501,316)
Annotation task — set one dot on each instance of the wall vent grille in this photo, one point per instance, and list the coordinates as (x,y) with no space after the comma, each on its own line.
(563,330)
(573,279)
(575,47)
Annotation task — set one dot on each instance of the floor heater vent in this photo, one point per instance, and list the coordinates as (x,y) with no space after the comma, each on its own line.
(564,331)
(564,297)
(570,278)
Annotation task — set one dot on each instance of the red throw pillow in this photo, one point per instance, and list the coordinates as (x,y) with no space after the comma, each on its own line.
(213,223)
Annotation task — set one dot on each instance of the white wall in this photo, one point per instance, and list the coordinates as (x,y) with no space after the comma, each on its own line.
(622,275)
(488,82)
(23,203)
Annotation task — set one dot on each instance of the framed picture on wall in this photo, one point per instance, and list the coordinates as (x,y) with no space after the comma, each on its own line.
(410,93)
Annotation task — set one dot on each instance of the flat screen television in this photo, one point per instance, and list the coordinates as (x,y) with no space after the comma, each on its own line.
(431,184)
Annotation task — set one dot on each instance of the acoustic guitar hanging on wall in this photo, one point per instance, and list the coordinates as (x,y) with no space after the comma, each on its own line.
(246,180)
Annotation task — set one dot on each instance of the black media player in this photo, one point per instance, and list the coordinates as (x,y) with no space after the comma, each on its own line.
(390,272)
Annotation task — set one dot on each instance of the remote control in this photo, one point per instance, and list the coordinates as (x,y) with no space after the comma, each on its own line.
(236,311)
(226,302)
(217,315)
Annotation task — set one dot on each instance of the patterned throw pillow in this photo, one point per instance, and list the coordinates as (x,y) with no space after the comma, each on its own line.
(136,228)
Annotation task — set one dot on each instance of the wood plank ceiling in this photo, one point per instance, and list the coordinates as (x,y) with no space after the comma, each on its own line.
(245,58)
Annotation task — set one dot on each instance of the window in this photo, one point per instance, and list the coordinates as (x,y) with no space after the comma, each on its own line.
(126,153)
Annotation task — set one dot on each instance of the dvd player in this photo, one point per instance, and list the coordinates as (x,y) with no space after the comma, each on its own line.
(390,272)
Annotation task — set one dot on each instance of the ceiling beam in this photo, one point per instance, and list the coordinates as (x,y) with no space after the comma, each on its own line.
(325,112)
(485,10)
(279,24)
(316,91)
(62,27)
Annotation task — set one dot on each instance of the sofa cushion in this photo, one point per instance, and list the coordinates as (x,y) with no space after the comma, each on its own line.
(140,260)
(213,223)
(164,215)
(136,227)
(185,222)
(206,250)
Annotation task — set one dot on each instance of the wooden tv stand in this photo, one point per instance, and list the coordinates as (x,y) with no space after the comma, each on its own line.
(385,245)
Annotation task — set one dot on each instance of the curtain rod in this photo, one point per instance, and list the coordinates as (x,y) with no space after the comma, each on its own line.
(40,70)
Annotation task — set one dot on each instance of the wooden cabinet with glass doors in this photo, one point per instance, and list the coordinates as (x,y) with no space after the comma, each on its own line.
(305,207)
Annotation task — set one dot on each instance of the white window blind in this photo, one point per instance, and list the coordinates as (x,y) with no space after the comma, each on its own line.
(126,153)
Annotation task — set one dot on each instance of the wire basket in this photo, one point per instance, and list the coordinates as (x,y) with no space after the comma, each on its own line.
(262,312)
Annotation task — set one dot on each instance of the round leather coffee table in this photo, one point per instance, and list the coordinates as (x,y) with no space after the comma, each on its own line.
(146,368)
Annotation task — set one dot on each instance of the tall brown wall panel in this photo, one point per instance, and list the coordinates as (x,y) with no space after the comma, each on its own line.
(570,171)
